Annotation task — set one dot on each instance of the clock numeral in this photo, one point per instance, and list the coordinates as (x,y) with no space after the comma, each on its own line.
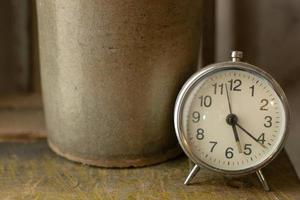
(200,134)
(221,86)
(265,103)
(247,149)
(261,138)
(229,153)
(213,145)
(205,101)
(252,90)
(235,85)
(268,122)
(196,116)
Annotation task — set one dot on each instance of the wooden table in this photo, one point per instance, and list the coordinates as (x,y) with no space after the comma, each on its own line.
(33,171)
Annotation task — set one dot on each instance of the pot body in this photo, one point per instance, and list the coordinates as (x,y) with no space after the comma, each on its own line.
(111,71)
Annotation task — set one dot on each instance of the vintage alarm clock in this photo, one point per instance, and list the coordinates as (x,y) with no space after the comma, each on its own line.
(231,117)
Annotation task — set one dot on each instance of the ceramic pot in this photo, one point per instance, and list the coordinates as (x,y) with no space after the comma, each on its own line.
(111,71)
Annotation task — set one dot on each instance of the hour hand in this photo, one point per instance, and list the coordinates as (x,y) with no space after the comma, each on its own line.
(237,139)
(232,119)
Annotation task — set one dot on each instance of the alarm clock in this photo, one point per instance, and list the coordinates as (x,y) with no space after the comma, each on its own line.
(231,117)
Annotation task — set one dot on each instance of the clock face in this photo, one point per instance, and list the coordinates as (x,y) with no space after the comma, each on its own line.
(232,120)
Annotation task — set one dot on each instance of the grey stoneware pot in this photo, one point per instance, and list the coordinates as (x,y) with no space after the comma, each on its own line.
(111,71)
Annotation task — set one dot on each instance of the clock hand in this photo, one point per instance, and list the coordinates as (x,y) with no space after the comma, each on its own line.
(237,139)
(232,120)
(250,135)
(229,103)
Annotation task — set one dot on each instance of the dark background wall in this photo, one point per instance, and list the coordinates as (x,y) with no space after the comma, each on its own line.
(268,31)
(17,37)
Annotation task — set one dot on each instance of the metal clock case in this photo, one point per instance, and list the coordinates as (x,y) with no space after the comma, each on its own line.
(231,119)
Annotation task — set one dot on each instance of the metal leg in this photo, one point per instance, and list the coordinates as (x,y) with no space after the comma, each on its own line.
(263,180)
(191,175)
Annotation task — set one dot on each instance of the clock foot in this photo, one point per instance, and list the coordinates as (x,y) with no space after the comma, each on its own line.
(263,180)
(192,174)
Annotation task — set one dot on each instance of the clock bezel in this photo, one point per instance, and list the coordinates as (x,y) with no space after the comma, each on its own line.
(204,73)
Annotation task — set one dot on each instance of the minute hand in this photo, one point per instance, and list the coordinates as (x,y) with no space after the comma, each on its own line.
(235,133)
(250,135)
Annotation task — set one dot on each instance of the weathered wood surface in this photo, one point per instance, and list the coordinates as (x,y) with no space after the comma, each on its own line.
(32,171)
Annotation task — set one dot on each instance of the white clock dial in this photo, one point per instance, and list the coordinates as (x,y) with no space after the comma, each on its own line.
(236,139)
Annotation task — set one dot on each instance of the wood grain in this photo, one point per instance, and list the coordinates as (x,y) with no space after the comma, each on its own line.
(32,171)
